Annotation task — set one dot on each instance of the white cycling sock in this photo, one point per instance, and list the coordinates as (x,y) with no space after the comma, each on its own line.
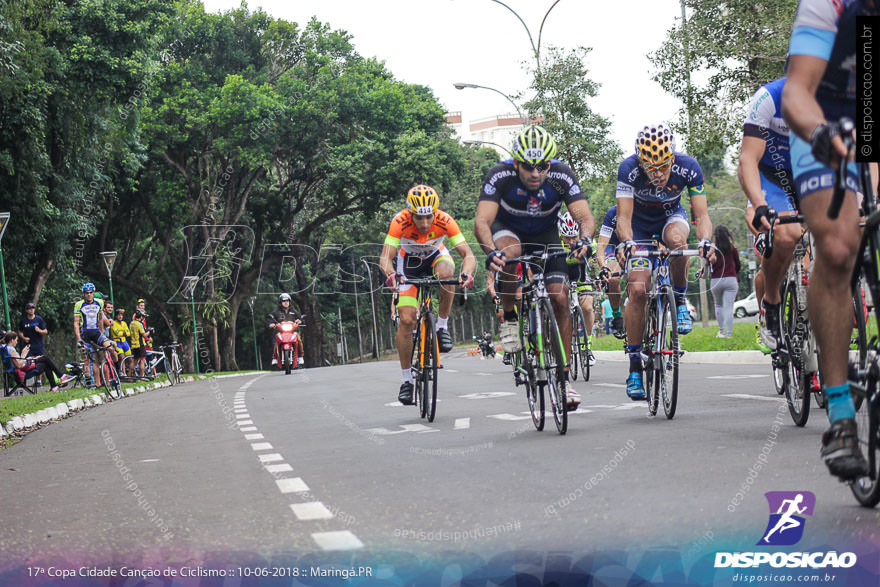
(407,375)
(443,323)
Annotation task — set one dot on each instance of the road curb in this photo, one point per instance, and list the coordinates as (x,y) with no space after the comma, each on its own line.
(721,357)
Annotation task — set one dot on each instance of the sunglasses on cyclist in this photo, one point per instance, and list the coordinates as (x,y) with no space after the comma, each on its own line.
(541,167)
(657,168)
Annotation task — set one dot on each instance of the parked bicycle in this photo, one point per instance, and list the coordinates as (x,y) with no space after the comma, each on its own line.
(104,369)
(540,363)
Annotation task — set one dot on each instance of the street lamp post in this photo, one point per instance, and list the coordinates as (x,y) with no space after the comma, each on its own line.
(4,220)
(109,258)
(476,142)
(461,85)
(190,286)
(536,50)
(250,302)
(373,308)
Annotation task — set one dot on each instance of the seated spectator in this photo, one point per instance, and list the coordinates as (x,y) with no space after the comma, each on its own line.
(26,363)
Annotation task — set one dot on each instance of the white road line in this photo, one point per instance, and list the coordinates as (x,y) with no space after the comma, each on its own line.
(240,411)
(261,446)
(253,437)
(313,510)
(450,370)
(241,416)
(342,540)
(248,429)
(743,376)
(509,417)
(486,394)
(747,396)
(291,485)
(616,385)
(631,406)
(244,422)
(149,461)
(462,423)
(272,458)
(420,428)
(282,468)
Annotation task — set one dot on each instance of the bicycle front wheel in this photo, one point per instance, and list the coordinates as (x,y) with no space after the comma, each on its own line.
(650,375)
(178,368)
(553,362)
(432,352)
(111,380)
(667,352)
(573,368)
(580,348)
(796,394)
(865,489)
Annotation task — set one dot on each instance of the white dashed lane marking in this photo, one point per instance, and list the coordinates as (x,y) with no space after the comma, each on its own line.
(462,423)
(758,397)
(313,510)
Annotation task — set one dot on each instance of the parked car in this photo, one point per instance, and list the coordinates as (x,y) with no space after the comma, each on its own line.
(748,306)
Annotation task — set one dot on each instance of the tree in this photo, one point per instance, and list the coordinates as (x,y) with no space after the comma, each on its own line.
(736,46)
(562,90)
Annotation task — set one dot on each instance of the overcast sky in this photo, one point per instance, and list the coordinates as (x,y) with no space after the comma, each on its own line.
(439,42)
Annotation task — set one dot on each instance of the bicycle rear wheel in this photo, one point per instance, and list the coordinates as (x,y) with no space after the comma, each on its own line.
(579,347)
(553,361)
(177,367)
(573,368)
(650,378)
(859,341)
(432,351)
(865,489)
(796,393)
(667,352)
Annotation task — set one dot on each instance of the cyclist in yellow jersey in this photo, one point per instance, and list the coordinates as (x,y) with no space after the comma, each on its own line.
(120,334)
(138,342)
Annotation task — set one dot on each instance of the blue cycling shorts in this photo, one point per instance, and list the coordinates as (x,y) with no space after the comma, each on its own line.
(811,176)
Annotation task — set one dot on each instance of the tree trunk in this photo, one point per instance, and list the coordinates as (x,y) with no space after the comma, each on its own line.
(40,275)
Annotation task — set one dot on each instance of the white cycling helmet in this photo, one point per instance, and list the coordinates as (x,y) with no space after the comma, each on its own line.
(567,226)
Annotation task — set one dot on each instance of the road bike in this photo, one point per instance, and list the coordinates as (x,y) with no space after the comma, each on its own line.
(796,359)
(426,350)
(864,365)
(173,366)
(540,363)
(104,369)
(661,352)
(580,342)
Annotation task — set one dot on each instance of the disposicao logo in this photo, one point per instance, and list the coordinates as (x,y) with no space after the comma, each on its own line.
(787,511)
(786,528)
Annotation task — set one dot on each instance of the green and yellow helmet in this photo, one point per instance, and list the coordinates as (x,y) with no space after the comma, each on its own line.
(534,145)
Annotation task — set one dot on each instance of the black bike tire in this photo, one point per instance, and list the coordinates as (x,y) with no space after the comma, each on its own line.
(534,394)
(178,368)
(432,353)
(649,379)
(419,392)
(554,359)
(796,394)
(859,310)
(670,329)
(573,367)
(169,370)
(583,356)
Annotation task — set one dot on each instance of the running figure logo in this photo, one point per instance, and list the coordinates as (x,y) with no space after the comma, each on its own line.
(786,525)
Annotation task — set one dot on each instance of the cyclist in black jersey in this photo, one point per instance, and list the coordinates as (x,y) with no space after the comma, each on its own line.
(516,214)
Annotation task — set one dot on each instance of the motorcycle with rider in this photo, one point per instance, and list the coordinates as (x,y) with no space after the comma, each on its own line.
(287,351)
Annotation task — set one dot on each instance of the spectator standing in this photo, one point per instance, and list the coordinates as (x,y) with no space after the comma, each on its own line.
(725,284)
(32,329)
(607,314)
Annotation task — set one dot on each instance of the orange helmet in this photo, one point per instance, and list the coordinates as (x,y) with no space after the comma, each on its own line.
(655,145)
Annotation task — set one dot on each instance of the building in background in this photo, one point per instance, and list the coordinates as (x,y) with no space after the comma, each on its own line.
(495,132)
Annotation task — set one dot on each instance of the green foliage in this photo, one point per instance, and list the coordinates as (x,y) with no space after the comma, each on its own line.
(736,46)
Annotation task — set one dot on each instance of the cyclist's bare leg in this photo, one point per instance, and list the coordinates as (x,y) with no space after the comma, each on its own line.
(675,237)
(785,237)
(405,327)
(759,287)
(508,280)
(586,303)
(836,243)
(634,312)
(614,285)
(444,269)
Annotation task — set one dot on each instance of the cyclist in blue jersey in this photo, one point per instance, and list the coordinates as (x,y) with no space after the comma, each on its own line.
(605,247)
(516,213)
(820,89)
(765,175)
(649,188)
(89,323)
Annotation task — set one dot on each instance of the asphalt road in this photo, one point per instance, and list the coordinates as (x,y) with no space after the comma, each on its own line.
(324,461)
